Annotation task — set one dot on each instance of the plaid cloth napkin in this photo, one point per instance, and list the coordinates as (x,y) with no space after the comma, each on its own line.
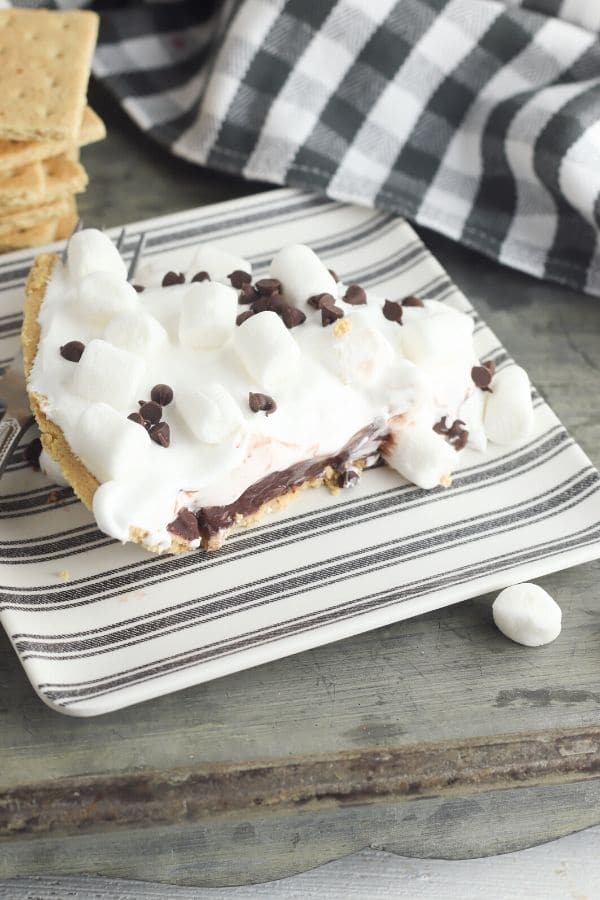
(477,118)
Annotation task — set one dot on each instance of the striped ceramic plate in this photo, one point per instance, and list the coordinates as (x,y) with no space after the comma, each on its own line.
(98,625)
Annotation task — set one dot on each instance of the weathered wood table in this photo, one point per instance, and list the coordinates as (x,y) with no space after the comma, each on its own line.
(432,737)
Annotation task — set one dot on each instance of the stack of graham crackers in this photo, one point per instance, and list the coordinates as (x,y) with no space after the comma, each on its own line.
(45,59)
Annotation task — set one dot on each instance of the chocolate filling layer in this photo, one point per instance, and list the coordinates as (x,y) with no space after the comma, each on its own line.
(214,519)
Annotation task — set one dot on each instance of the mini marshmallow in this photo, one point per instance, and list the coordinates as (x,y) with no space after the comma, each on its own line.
(137,332)
(508,415)
(51,469)
(440,338)
(420,455)
(267,349)
(218,263)
(471,412)
(108,443)
(361,354)
(102,295)
(210,412)
(302,274)
(208,313)
(527,614)
(107,373)
(92,251)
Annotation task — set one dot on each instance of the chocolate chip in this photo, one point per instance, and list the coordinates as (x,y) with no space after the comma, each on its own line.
(348,478)
(355,295)
(268,286)
(162,393)
(482,377)
(72,350)
(32,453)
(412,301)
(273,303)
(457,428)
(247,314)
(393,311)
(151,412)
(318,299)
(460,442)
(329,311)
(173,278)
(334,275)
(247,294)
(456,434)
(201,276)
(261,403)
(238,278)
(161,434)
(292,316)
(135,417)
(185,525)
(138,287)
(490,365)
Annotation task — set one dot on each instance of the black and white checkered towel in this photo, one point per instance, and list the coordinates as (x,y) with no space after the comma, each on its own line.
(477,118)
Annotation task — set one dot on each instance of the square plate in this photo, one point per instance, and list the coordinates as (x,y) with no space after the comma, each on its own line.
(99,626)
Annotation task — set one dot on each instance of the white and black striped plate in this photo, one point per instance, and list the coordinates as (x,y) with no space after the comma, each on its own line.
(99,626)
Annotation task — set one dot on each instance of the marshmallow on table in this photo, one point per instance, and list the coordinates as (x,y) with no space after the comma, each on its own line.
(302,274)
(102,295)
(92,251)
(218,263)
(110,443)
(208,314)
(527,614)
(361,354)
(508,415)
(107,373)
(210,412)
(267,349)
(420,455)
(138,332)
(440,338)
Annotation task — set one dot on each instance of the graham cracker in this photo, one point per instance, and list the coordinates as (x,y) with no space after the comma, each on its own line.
(42,233)
(66,223)
(60,176)
(28,216)
(46,57)
(63,176)
(14,154)
(22,187)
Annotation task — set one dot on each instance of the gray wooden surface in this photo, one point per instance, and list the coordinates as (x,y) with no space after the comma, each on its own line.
(362,708)
(568,869)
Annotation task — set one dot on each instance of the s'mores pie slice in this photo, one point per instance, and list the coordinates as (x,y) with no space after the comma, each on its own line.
(189,404)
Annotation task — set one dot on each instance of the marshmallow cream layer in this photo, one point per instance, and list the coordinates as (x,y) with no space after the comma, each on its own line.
(360,371)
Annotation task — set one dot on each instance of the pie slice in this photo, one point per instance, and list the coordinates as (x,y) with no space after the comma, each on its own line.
(190,404)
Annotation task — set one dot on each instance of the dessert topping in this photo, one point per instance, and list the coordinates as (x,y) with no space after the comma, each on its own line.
(162,393)
(151,412)
(329,311)
(161,434)
(355,295)
(72,350)
(412,301)
(261,403)
(173,278)
(201,276)
(239,278)
(392,310)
